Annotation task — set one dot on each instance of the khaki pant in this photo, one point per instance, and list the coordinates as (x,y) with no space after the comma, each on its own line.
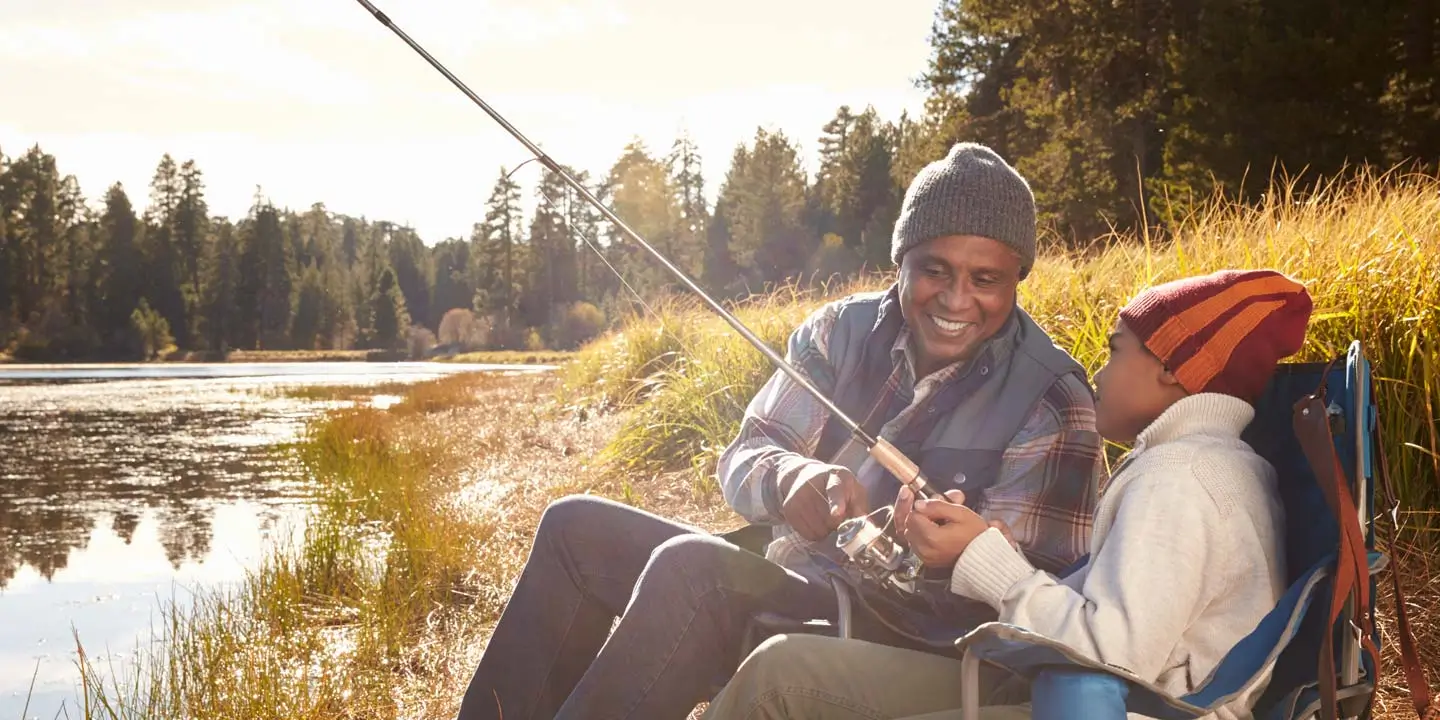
(804,677)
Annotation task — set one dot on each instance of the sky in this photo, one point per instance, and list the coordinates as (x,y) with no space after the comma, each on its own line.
(315,101)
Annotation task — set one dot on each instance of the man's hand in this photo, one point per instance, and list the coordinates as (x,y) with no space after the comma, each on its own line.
(938,531)
(821,496)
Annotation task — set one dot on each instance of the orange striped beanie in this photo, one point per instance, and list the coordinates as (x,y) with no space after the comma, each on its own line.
(1224,332)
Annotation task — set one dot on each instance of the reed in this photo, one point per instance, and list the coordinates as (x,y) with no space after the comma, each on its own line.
(1368,249)
(325,628)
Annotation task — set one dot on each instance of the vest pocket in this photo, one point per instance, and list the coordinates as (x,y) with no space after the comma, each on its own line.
(971,471)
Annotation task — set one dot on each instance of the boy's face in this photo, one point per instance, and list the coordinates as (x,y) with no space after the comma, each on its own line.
(1132,389)
(956,292)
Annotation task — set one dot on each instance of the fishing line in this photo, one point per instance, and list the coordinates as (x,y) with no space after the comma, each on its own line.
(680,339)
(882,450)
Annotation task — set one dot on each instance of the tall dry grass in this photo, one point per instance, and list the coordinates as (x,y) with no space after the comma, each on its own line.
(325,629)
(424,513)
(684,379)
(1367,249)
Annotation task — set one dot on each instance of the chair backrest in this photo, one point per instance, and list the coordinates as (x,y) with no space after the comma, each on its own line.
(1312,546)
(1311,532)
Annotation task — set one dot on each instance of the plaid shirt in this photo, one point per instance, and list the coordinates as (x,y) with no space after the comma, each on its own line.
(1048,477)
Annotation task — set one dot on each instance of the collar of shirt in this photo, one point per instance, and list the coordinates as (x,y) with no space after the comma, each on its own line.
(994,351)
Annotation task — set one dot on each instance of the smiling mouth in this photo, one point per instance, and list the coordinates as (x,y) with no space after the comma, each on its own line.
(951,328)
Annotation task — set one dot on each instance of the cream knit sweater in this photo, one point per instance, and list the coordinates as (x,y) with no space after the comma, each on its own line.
(1186,556)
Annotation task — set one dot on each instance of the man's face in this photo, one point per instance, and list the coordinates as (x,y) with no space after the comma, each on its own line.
(956,292)
(1132,389)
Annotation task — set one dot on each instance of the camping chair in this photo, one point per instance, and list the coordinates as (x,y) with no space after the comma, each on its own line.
(1321,635)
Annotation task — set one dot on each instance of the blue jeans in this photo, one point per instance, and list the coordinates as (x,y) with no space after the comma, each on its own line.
(683,598)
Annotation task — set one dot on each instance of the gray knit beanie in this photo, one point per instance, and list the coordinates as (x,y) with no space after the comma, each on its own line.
(972,191)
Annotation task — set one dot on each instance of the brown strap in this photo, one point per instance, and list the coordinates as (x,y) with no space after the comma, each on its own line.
(1351,579)
(1409,658)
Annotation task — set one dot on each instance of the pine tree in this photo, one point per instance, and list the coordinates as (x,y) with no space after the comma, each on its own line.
(496,261)
(550,271)
(765,201)
(389,320)
(221,288)
(8,211)
(265,287)
(692,217)
(305,329)
(453,285)
(410,260)
(122,268)
(720,269)
(33,231)
(338,326)
(190,233)
(642,196)
(834,177)
(163,263)
(584,221)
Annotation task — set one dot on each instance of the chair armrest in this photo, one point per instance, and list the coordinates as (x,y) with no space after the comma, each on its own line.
(1062,679)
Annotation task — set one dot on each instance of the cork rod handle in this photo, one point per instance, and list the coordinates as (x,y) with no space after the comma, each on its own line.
(901,467)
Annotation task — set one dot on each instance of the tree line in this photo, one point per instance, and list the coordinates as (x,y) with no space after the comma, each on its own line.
(1127,112)
(1122,113)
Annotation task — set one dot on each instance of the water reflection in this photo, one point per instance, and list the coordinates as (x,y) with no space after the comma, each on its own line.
(78,453)
(111,593)
(114,494)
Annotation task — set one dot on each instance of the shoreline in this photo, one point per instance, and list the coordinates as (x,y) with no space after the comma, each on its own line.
(261,357)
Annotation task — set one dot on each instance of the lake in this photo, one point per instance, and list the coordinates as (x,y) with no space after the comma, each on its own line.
(125,487)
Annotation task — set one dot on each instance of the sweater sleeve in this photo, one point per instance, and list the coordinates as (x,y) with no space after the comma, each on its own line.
(1158,566)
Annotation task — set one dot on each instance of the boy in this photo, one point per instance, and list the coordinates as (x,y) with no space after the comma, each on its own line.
(1186,549)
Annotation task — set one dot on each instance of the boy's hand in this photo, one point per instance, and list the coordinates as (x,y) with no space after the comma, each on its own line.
(938,531)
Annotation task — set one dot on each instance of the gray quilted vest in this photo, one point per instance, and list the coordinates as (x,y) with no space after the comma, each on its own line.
(959,440)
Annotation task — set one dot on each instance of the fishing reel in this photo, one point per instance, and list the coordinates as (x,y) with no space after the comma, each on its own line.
(877,555)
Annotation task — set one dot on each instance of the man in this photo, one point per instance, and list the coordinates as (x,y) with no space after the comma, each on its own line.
(1187,556)
(944,364)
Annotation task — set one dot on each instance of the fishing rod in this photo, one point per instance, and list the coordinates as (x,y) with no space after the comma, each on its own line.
(881,449)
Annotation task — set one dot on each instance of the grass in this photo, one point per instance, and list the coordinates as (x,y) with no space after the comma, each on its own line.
(422,517)
(451,391)
(307,631)
(684,379)
(338,393)
(324,629)
(425,510)
(269,356)
(1369,252)
(513,357)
